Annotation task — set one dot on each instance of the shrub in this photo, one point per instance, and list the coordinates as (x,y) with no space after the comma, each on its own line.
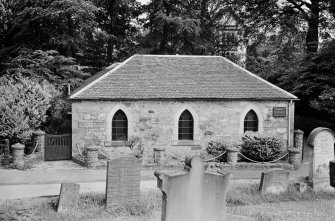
(262,148)
(216,148)
(136,145)
(23,106)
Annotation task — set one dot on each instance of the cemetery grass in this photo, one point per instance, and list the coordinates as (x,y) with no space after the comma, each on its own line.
(241,200)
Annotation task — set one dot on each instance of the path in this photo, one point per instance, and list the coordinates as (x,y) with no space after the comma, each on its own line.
(46,180)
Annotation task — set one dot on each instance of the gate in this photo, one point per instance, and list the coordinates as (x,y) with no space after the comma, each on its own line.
(58,147)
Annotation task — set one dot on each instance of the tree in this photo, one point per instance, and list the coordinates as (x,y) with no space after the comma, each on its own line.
(49,24)
(316,81)
(47,65)
(186,27)
(118,19)
(293,14)
(23,106)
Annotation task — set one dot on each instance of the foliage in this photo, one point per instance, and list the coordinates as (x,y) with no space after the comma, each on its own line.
(135,143)
(186,27)
(315,81)
(23,106)
(47,65)
(51,24)
(216,148)
(262,148)
(295,16)
(119,20)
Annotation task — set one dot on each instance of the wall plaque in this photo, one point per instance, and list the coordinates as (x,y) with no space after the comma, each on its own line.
(279,112)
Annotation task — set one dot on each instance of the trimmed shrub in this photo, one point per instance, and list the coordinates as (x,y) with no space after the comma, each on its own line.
(262,148)
(216,148)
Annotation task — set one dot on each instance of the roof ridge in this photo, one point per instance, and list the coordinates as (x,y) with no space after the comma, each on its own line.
(259,78)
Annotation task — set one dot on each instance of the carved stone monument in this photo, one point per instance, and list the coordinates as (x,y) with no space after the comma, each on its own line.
(68,197)
(274,181)
(123,182)
(193,194)
(322,141)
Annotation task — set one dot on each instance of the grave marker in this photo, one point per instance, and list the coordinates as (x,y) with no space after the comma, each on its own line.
(322,141)
(68,197)
(193,194)
(274,181)
(123,182)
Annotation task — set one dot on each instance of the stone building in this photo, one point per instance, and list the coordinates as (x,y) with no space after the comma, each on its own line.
(178,103)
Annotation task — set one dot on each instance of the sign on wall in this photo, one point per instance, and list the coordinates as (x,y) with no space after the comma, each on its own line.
(279,111)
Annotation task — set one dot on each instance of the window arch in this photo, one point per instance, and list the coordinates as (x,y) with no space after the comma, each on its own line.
(251,121)
(119,126)
(185,126)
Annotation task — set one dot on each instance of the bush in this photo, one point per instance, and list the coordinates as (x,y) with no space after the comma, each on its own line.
(262,148)
(216,148)
(136,145)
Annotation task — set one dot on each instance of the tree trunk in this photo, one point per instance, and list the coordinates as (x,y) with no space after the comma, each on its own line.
(312,37)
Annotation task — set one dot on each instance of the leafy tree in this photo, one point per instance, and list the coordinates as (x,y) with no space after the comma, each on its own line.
(265,15)
(186,27)
(47,65)
(49,24)
(316,81)
(119,20)
(23,106)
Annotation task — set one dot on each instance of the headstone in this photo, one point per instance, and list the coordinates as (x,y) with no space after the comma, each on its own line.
(322,141)
(123,182)
(274,181)
(332,173)
(193,194)
(68,197)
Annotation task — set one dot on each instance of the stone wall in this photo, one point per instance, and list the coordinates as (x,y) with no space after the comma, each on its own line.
(156,122)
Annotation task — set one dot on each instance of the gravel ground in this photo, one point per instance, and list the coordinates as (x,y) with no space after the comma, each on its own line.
(319,210)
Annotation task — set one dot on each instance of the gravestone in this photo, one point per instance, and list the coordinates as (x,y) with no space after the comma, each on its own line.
(322,142)
(274,181)
(123,182)
(193,194)
(68,197)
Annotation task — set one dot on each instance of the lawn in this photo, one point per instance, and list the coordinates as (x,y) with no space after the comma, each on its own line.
(242,200)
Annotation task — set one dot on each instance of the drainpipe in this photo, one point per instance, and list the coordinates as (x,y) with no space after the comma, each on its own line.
(289,123)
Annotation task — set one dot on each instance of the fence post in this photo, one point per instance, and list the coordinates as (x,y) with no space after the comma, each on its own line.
(17,153)
(299,142)
(91,161)
(232,155)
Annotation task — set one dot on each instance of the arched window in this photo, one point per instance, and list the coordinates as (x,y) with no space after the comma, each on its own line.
(185,126)
(119,126)
(251,121)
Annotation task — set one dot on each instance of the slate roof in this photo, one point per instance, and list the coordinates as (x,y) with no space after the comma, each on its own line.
(178,77)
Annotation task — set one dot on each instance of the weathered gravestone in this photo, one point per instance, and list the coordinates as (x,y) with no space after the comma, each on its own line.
(193,194)
(322,141)
(68,197)
(274,181)
(123,182)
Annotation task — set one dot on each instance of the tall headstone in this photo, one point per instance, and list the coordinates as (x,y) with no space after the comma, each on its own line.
(123,182)
(274,181)
(68,197)
(322,141)
(193,194)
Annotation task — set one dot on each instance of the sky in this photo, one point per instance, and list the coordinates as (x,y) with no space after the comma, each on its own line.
(143,1)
